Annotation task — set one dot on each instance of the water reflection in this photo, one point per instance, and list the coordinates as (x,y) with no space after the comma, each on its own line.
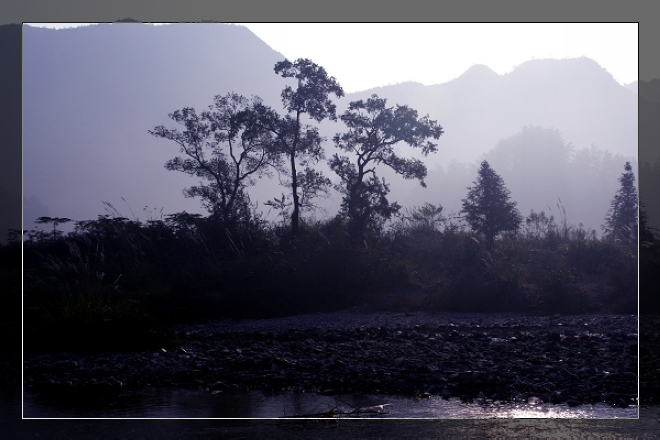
(182,403)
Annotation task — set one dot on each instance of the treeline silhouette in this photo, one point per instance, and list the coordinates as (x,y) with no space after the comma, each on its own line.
(116,282)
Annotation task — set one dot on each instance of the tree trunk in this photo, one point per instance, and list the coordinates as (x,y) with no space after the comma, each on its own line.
(296,202)
(490,241)
(294,179)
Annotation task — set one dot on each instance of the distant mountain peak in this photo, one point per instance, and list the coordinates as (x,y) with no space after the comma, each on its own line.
(569,65)
(478,72)
(579,72)
(480,69)
(582,61)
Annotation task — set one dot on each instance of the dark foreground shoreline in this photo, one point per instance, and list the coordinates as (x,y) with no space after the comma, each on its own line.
(503,357)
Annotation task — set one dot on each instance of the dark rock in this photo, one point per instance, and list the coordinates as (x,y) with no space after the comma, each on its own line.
(553,337)
(466,398)
(556,397)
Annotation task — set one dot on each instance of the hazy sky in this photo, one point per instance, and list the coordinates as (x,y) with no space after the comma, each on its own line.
(366,55)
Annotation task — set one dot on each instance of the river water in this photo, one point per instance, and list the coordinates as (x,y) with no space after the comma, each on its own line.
(98,419)
(182,403)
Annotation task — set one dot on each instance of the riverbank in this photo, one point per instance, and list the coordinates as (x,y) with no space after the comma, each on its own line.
(500,358)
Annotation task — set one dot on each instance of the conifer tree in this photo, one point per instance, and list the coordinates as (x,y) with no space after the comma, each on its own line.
(487,207)
(621,219)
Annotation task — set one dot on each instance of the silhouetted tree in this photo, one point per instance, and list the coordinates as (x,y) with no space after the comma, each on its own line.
(621,219)
(538,225)
(55,221)
(427,217)
(183,223)
(374,130)
(487,207)
(227,147)
(300,143)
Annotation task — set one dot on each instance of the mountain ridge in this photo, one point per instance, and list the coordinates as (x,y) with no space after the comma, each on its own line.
(92,94)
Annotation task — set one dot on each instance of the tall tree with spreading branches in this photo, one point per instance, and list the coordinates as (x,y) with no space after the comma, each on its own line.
(55,221)
(299,142)
(487,207)
(227,148)
(374,129)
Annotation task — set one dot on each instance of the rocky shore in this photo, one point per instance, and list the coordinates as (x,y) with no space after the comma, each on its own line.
(504,357)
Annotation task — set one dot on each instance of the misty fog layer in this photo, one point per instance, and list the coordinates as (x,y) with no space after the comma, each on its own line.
(553,129)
